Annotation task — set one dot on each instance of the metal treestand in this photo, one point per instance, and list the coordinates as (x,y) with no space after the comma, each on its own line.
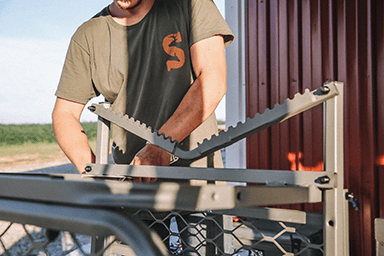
(108,206)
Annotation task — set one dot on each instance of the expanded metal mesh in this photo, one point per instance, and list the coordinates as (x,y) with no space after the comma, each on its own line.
(200,233)
(18,239)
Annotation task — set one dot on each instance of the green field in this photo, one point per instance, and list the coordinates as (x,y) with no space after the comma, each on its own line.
(36,133)
(34,143)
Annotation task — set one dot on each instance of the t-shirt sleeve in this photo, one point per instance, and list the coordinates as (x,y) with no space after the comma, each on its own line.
(75,82)
(207,21)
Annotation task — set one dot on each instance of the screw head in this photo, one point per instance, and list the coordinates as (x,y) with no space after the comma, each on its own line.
(88,168)
(323,180)
(325,89)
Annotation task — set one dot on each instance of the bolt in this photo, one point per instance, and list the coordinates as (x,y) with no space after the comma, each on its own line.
(325,89)
(92,108)
(349,196)
(88,169)
(323,180)
(215,196)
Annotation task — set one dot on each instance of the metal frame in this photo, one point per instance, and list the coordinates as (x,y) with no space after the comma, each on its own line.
(65,202)
(335,205)
(335,215)
(379,236)
(80,219)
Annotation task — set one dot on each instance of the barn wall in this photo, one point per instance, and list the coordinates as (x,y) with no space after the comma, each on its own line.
(292,45)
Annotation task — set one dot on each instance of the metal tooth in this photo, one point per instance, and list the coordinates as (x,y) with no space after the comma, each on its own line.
(267,110)
(239,124)
(256,115)
(230,128)
(167,138)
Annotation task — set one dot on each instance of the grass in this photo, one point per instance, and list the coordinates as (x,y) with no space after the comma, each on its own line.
(36,133)
(35,143)
(31,144)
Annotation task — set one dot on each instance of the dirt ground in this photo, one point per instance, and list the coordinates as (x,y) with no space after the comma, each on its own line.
(33,154)
(31,159)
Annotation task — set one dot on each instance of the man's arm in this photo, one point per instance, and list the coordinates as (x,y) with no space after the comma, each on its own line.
(202,98)
(70,135)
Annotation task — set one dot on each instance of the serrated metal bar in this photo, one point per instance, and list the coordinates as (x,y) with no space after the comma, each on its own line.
(135,127)
(270,177)
(279,113)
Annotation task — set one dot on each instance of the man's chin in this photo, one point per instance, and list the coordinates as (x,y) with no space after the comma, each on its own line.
(126,6)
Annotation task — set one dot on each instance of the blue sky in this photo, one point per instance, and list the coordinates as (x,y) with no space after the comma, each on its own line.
(34,36)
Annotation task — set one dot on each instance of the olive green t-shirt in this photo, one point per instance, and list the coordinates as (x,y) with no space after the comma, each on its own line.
(143,70)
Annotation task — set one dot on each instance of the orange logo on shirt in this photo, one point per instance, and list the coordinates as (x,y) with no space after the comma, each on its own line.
(174,51)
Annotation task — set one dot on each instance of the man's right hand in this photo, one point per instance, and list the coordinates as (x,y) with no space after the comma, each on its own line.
(151,155)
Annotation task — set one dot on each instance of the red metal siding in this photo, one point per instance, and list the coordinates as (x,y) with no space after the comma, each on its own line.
(297,44)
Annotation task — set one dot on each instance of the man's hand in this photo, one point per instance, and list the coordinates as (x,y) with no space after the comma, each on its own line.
(151,155)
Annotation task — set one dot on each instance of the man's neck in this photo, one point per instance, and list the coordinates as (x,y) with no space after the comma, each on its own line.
(131,16)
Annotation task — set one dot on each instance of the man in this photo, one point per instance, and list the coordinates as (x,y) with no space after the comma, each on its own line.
(159,61)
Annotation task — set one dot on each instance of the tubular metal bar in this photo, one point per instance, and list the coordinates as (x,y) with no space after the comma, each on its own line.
(102,141)
(85,220)
(335,203)
(102,157)
(379,236)
(158,196)
(270,177)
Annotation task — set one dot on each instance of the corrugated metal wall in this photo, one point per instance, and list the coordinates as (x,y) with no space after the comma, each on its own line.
(298,44)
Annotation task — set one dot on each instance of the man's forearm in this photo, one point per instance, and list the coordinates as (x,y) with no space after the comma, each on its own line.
(72,140)
(201,100)
(198,104)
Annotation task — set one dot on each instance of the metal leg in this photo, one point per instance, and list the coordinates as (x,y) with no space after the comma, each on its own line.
(97,244)
(102,157)
(335,203)
(102,142)
(379,235)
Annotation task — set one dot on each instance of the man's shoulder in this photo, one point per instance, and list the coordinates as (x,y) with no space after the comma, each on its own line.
(92,26)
